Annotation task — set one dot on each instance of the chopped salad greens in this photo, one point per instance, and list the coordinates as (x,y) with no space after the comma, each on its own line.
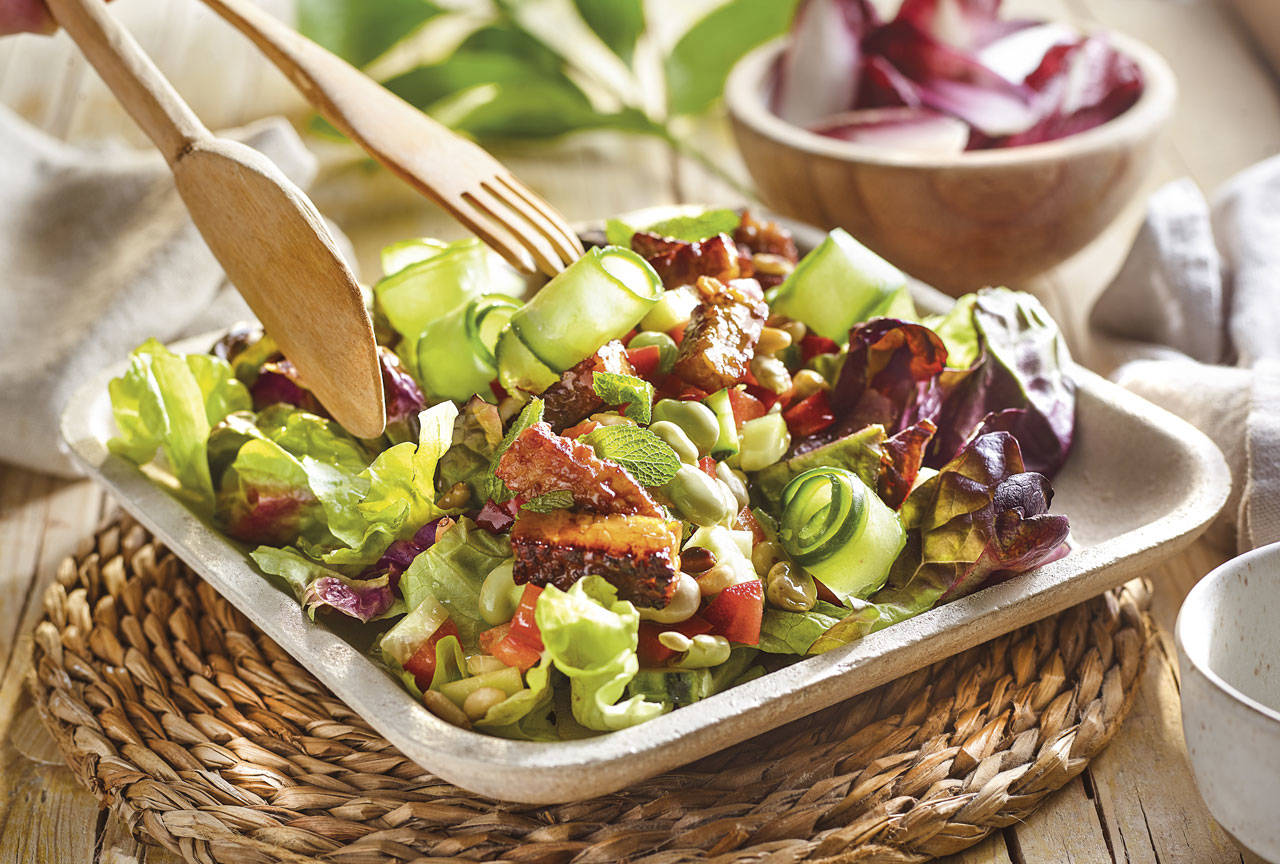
(682,463)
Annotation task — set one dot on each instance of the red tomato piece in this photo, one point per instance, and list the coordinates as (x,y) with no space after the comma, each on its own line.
(746,521)
(812,345)
(708,466)
(766,396)
(515,654)
(745,406)
(524,629)
(645,361)
(518,642)
(677,333)
(735,613)
(810,415)
(422,665)
(651,652)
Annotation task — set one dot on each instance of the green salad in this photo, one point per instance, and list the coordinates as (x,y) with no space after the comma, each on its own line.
(691,458)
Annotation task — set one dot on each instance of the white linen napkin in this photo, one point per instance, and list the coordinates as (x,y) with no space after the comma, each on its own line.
(1196,312)
(97,254)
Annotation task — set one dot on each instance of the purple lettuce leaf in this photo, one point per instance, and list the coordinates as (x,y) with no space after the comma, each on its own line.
(1018,385)
(901,457)
(981,519)
(403,397)
(362,599)
(889,365)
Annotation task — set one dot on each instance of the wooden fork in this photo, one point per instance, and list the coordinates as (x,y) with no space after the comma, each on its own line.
(454,172)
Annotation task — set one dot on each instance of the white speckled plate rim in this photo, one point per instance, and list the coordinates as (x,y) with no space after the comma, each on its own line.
(550,772)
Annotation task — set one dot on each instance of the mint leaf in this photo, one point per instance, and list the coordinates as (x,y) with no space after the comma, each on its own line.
(693,229)
(700,62)
(616,388)
(360,31)
(646,457)
(530,415)
(560,499)
(618,23)
(618,233)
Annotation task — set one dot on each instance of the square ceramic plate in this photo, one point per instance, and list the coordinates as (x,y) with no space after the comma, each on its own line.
(1140,484)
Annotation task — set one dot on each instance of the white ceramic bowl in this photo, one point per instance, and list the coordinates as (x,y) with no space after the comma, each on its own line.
(1228,636)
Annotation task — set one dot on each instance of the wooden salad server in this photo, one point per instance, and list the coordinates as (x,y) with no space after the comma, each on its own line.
(264,231)
(454,172)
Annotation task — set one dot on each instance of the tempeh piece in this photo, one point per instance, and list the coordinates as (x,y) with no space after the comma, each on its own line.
(721,337)
(680,262)
(539,461)
(573,397)
(636,554)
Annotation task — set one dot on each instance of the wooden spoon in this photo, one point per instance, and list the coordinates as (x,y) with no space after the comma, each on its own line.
(266,234)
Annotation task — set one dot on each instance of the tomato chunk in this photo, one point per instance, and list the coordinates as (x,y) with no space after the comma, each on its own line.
(812,345)
(736,612)
(422,665)
(645,361)
(745,406)
(518,642)
(810,415)
(651,652)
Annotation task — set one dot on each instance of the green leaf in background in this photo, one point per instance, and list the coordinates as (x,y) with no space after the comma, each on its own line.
(360,31)
(512,42)
(618,23)
(700,62)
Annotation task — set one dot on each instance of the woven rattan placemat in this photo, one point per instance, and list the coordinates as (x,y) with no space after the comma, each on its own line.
(210,740)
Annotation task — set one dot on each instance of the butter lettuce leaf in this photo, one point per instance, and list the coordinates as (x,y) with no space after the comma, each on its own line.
(591,638)
(452,570)
(170,402)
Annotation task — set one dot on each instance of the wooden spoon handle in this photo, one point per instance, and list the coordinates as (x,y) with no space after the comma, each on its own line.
(129,73)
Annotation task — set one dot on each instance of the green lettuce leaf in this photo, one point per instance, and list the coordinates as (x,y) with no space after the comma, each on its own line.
(317,587)
(170,402)
(477,434)
(783,632)
(527,714)
(591,636)
(452,570)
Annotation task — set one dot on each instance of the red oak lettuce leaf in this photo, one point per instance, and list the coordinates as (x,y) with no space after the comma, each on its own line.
(981,519)
(277,383)
(1019,385)
(888,364)
(900,459)
(818,73)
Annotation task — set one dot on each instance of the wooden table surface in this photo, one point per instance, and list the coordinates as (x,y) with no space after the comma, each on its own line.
(1136,803)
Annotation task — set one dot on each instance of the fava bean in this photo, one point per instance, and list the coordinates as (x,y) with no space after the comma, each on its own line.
(737,485)
(665,344)
(704,652)
(699,498)
(790,588)
(676,440)
(684,602)
(764,555)
(762,442)
(696,420)
(499,594)
(478,702)
(771,373)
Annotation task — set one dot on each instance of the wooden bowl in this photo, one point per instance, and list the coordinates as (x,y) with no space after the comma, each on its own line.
(961,221)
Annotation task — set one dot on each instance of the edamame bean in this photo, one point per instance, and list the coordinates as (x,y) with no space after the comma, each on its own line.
(676,440)
(499,594)
(762,442)
(665,344)
(695,419)
(736,484)
(697,497)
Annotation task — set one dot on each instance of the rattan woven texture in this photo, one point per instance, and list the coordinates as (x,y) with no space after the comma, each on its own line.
(203,734)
